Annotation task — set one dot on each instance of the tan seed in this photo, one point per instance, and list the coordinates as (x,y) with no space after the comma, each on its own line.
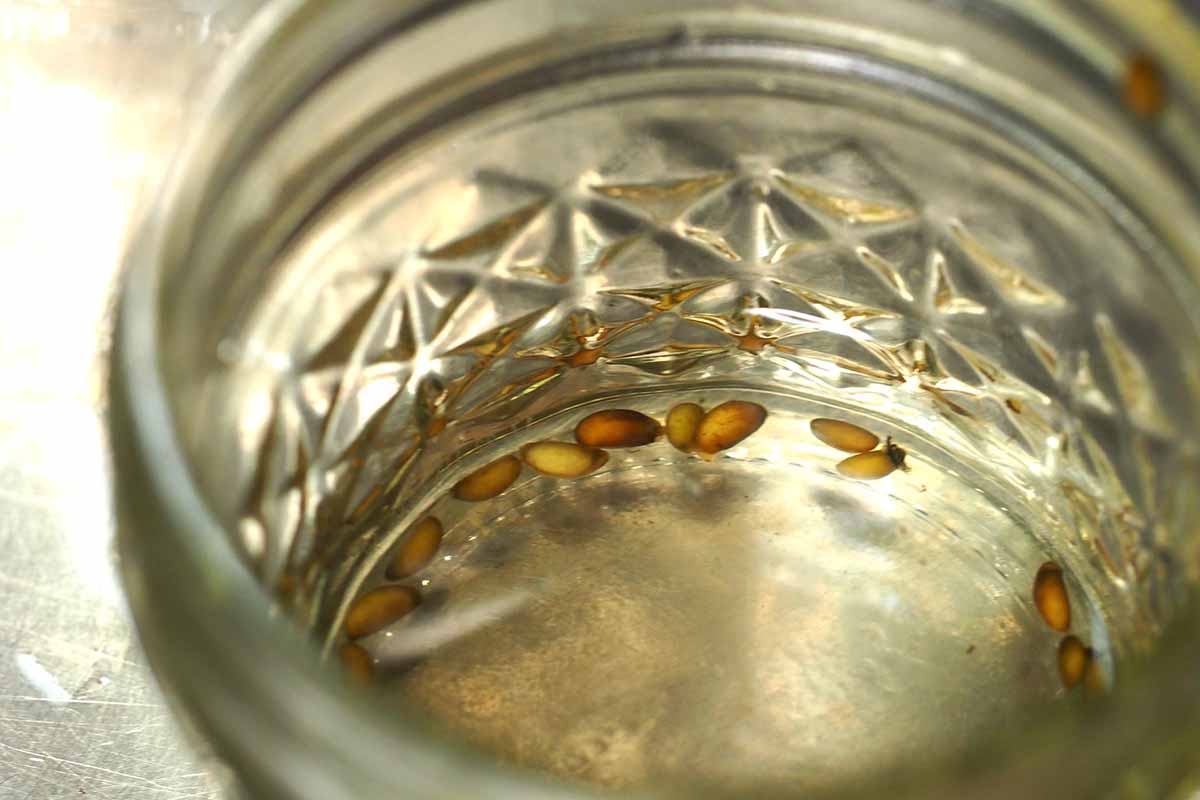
(379,608)
(357,662)
(844,436)
(727,425)
(563,459)
(619,427)
(1050,597)
(682,422)
(1073,660)
(417,549)
(488,481)
(867,466)
(1143,86)
(875,464)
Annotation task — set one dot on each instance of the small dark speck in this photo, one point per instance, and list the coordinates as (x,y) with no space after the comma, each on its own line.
(677,38)
(970,649)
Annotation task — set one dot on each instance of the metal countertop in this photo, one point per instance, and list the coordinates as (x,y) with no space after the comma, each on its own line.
(93,96)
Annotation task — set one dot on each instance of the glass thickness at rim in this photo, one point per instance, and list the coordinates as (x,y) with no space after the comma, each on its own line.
(156,494)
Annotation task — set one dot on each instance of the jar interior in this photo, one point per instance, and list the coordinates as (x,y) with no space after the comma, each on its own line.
(705,212)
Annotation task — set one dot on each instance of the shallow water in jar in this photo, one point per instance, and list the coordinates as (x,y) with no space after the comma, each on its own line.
(755,619)
(759,619)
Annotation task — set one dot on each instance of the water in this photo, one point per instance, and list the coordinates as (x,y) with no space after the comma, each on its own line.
(752,621)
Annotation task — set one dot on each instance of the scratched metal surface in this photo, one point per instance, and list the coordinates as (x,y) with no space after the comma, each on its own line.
(91,100)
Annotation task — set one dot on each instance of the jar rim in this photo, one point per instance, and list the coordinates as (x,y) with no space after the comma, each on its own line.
(253,662)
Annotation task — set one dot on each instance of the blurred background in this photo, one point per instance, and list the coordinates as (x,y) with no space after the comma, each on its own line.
(94,95)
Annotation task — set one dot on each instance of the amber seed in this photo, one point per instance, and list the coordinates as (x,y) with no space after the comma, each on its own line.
(682,422)
(1093,675)
(867,466)
(727,425)
(379,608)
(1050,597)
(417,549)
(357,662)
(563,459)
(1143,87)
(617,427)
(1073,660)
(844,435)
(488,481)
(875,464)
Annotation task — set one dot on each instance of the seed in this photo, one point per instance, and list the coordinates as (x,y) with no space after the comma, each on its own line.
(563,459)
(488,481)
(682,422)
(1093,675)
(617,428)
(867,466)
(844,436)
(1143,88)
(357,662)
(1050,597)
(1073,660)
(417,549)
(875,464)
(379,608)
(728,424)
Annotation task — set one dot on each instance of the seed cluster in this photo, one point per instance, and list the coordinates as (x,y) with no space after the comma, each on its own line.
(689,429)
(1076,662)
(868,464)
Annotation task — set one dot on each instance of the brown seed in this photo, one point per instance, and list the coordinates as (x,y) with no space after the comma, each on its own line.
(379,608)
(417,549)
(875,464)
(488,481)
(843,435)
(357,662)
(1093,675)
(1143,87)
(682,422)
(727,424)
(563,459)
(1073,660)
(618,427)
(1050,597)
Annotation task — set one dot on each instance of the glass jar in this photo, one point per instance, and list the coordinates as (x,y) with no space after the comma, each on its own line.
(412,235)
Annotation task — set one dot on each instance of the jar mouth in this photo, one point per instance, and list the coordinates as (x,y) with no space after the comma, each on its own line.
(151,369)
